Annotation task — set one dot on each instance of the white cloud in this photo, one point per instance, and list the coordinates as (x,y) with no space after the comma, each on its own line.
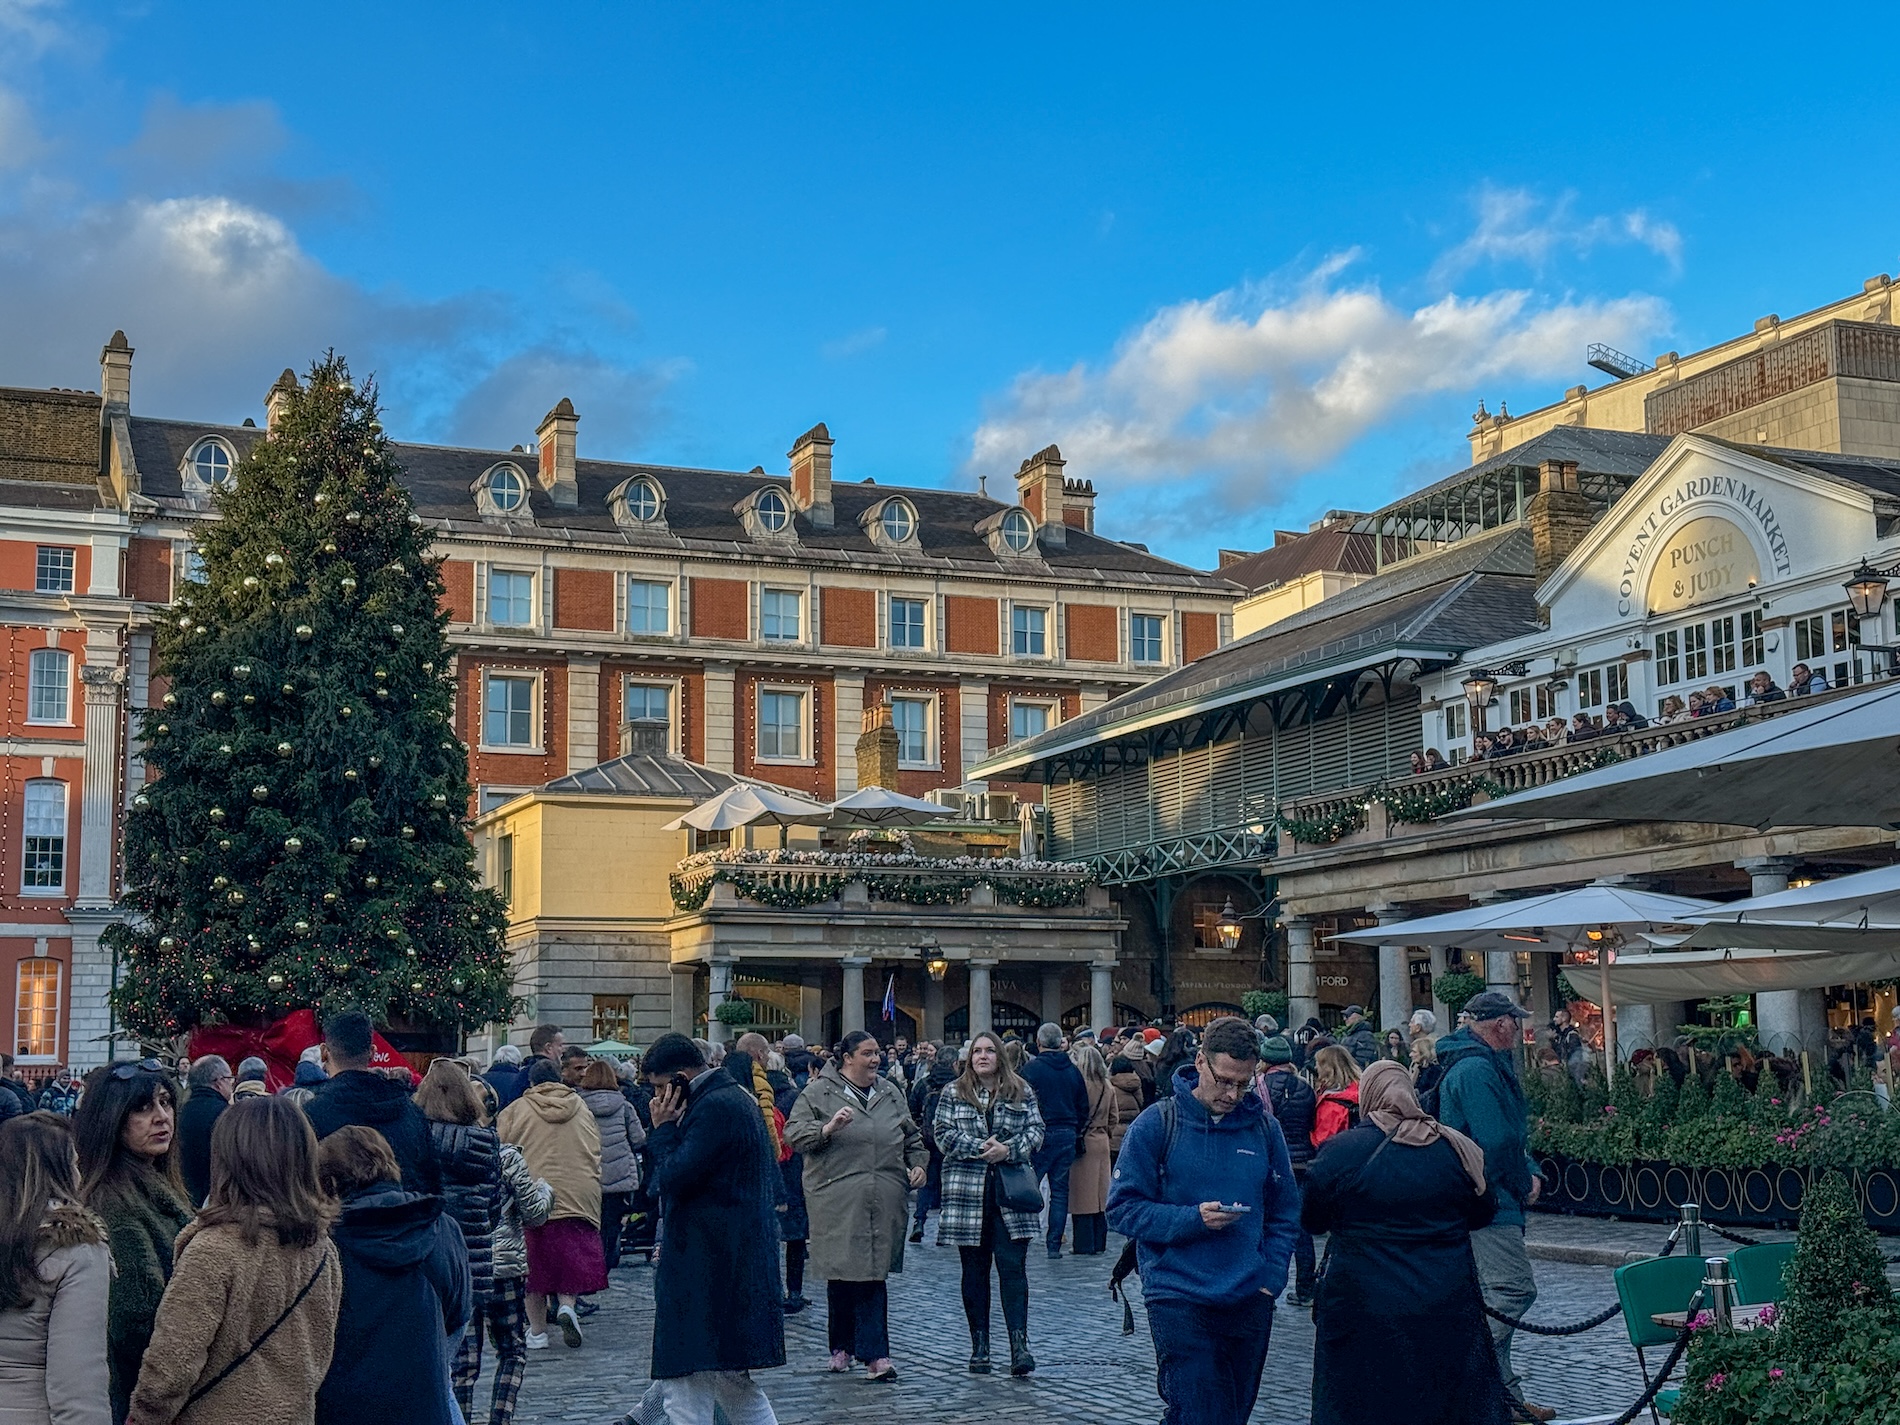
(218,295)
(1514,225)
(1229,396)
(853,344)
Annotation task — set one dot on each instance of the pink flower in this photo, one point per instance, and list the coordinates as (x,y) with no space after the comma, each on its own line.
(1767,1318)
(1717,1381)
(1776,1373)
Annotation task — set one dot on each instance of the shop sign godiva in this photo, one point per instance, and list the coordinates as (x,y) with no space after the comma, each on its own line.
(1706,558)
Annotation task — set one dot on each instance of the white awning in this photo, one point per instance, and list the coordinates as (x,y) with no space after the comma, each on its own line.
(1696,974)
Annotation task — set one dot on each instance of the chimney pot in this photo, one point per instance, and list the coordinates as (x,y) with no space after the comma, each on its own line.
(558,438)
(1042,491)
(1558,515)
(115,372)
(811,475)
(277,399)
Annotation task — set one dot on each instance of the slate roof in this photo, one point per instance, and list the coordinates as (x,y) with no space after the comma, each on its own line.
(1336,549)
(1477,592)
(700,514)
(646,774)
(1868,472)
(1603,452)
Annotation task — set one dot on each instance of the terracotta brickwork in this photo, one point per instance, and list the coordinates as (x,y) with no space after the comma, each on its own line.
(513,769)
(816,780)
(918,781)
(1200,633)
(689,707)
(458,590)
(847,618)
(584,599)
(1093,632)
(720,608)
(148,570)
(19,561)
(969,625)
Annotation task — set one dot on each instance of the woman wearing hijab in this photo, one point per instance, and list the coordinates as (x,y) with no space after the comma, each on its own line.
(1400,1317)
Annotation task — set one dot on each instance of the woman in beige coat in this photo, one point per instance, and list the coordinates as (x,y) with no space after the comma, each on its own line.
(1088,1179)
(55,1273)
(248,1322)
(560,1141)
(862,1156)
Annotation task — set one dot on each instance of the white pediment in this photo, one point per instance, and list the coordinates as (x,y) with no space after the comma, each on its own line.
(1707,522)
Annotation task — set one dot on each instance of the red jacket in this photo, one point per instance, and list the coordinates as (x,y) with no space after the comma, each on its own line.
(1335,1114)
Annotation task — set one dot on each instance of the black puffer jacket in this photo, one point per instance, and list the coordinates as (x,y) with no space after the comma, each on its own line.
(1294,1103)
(470,1156)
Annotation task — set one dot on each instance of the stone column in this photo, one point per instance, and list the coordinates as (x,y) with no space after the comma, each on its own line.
(720,723)
(980,1010)
(933,1008)
(852,1010)
(1788,1021)
(811,1009)
(1441,966)
(847,723)
(1302,976)
(683,1012)
(583,713)
(1052,994)
(91,1022)
(1500,966)
(1395,974)
(1102,994)
(718,991)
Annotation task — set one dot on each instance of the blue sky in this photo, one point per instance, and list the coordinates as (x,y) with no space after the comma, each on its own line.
(1243,263)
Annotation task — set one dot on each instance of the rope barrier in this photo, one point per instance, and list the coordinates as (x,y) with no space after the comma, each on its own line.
(1737,1238)
(1576,1329)
(1668,1365)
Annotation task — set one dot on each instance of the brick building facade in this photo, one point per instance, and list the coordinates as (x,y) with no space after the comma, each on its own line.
(757,614)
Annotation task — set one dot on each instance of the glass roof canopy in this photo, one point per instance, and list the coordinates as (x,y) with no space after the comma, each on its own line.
(1469,503)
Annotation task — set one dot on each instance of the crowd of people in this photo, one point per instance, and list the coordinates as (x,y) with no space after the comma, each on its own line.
(179,1247)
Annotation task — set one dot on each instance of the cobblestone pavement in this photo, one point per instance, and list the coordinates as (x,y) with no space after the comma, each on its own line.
(1087,1370)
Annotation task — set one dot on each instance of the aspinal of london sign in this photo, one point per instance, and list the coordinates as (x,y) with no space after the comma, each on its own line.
(1706,556)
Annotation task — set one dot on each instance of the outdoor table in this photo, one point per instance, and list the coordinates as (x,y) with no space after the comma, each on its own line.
(1747,1318)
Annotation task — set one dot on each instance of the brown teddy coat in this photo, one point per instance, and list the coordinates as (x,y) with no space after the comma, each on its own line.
(223,1295)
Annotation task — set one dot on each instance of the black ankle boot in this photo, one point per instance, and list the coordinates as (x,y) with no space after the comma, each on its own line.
(979,1352)
(1021,1363)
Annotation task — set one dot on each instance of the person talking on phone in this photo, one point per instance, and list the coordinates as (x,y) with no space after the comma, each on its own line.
(1205,1189)
(863,1153)
(718,1314)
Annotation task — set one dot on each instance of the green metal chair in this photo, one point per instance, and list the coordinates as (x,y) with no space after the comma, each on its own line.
(1646,1288)
(1758,1271)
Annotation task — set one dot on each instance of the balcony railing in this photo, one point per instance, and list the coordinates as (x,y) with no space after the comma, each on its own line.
(1421,800)
(797,880)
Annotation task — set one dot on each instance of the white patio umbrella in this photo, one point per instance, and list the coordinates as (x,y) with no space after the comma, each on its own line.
(1592,917)
(1866,900)
(748,804)
(880,806)
(1834,764)
(1691,974)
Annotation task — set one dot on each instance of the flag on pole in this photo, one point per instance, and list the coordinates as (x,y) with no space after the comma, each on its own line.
(890,999)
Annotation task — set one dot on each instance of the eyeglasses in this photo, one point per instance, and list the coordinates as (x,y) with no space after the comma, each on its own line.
(1231,1085)
(127,1069)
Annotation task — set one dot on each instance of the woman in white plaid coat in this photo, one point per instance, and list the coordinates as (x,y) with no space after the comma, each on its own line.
(986,1118)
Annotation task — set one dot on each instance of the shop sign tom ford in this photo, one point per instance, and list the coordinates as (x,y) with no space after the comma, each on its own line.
(1706,557)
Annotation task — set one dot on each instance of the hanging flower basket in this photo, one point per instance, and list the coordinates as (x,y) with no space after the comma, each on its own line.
(733,1011)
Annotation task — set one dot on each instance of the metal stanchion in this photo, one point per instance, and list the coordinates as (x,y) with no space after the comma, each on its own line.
(1691,1228)
(1719,1283)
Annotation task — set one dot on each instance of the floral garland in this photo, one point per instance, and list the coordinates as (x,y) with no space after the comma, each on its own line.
(1047,884)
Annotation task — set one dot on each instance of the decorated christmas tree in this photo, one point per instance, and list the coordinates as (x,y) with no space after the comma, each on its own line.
(301,837)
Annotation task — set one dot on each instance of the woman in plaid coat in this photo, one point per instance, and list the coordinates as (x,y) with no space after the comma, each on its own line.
(988,1117)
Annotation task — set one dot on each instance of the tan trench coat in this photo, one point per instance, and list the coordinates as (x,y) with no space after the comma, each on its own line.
(1088,1179)
(856,1184)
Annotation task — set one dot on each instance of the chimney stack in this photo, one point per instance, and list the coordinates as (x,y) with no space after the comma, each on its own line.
(1040,490)
(558,437)
(115,372)
(1558,515)
(878,748)
(1078,505)
(811,475)
(277,399)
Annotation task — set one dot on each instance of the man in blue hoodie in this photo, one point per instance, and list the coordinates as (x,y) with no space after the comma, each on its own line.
(1205,1188)
(1480,1097)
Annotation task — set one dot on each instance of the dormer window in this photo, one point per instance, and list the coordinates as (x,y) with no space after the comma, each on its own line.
(898,521)
(1018,531)
(1011,533)
(639,504)
(210,465)
(767,514)
(502,492)
(774,513)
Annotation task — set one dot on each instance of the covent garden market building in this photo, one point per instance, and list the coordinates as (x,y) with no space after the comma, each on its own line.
(1268,791)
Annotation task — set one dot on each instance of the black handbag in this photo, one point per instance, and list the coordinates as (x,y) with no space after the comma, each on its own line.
(1018,1188)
